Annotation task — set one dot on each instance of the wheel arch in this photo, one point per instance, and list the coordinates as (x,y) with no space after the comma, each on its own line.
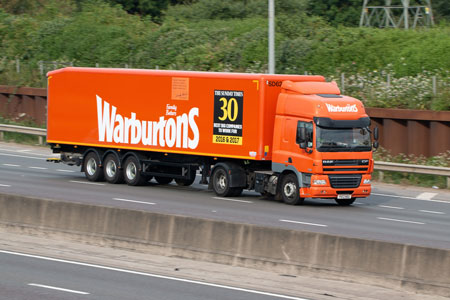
(115,153)
(284,170)
(135,155)
(97,152)
(237,174)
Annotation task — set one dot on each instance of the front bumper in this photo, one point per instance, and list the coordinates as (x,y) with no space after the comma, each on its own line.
(326,191)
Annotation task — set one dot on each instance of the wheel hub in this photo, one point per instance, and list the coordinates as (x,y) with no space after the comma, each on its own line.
(91,166)
(111,168)
(289,190)
(131,171)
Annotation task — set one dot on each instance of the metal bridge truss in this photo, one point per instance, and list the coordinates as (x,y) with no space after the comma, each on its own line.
(397,14)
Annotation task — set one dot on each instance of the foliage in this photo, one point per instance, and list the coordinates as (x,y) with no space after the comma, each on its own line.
(233,9)
(344,12)
(224,35)
(385,89)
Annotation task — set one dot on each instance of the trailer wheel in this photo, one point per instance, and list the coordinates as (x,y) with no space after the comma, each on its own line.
(163,180)
(187,182)
(290,190)
(345,202)
(132,172)
(221,182)
(111,169)
(91,166)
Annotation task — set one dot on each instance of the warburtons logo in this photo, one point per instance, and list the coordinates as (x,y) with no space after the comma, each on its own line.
(337,108)
(171,132)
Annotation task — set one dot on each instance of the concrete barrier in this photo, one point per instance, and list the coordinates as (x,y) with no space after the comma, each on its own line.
(284,251)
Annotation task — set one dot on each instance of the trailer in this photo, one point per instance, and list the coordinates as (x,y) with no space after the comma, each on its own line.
(289,136)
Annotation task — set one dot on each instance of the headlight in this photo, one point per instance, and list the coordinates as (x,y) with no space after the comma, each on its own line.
(319,182)
(366,181)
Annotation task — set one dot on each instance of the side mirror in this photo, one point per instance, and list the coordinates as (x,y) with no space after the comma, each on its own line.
(376,145)
(375,134)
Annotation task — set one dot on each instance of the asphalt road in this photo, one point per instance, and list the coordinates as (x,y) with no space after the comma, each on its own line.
(24,276)
(391,213)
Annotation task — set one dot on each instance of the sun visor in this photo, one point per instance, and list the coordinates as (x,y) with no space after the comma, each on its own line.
(330,123)
(312,88)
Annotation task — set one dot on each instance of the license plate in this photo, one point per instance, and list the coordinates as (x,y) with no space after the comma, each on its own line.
(344,196)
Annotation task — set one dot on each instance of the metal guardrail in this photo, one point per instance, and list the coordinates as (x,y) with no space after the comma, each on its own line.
(382,166)
(40,132)
(379,165)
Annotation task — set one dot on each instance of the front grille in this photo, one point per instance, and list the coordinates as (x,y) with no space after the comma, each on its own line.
(343,181)
(345,162)
(344,169)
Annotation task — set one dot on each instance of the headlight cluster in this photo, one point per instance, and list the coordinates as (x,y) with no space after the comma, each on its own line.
(366,181)
(319,182)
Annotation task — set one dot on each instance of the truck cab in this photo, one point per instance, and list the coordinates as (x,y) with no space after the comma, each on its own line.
(322,144)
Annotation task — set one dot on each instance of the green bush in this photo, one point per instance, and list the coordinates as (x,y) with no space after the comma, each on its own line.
(224,35)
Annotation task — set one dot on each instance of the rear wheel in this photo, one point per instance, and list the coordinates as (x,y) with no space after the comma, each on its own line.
(345,202)
(132,172)
(111,169)
(92,169)
(290,190)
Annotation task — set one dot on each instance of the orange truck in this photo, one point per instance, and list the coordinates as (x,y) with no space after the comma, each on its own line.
(289,136)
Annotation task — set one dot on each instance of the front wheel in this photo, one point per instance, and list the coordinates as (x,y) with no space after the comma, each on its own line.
(290,191)
(345,202)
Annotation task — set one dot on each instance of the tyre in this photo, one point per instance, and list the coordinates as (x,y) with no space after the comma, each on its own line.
(91,166)
(221,182)
(132,172)
(111,169)
(163,180)
(187,182)
(345,202)
(290,190)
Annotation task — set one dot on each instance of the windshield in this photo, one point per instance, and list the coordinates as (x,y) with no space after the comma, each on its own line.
(342,139)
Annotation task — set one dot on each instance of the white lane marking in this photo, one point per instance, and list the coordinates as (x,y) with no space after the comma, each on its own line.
(426,196)
(22,156)
(393,207)
(402,221)
(134,201)
(432,212)
(24,150)
(395,196)
(304,223)
(58,289)
(21,151)
(5,185)
(68,171)
(233,200)
(85,182)
(154,275)
(11,165)
(38,168)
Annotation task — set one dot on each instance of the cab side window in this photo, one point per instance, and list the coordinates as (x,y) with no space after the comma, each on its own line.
(309,132)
